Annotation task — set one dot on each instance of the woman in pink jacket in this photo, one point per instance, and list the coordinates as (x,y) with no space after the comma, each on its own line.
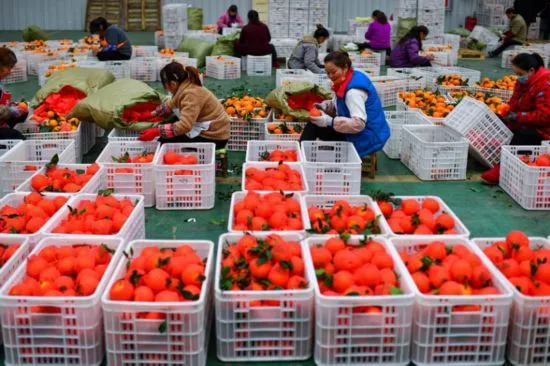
(230,17)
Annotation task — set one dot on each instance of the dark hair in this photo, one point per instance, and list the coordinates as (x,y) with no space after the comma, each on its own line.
(7,58)
(414,32)
(339,58)
(253,17)
(375,14)
(510,11)
(175,71)
(382,18)
(528,61)
(233,8)
(98,24)
(321,32)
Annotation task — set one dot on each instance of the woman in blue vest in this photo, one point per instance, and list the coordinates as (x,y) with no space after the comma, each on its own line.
(354,115)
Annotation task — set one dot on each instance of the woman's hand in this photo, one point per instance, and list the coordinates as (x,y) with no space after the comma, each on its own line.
(161,111)
(149,134)
(326,106)
(430,57)
(324,120)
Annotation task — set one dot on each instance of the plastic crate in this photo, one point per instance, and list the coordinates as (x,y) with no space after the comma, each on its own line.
(144,68)
(443,335)
(145,51)
(280,332)
(93,185)
(331,167)
(133,228)
(55,330)
(185,61)
(508,56)
(529,331)
(460,228)
(528,185)
(242,131)
(34,59)
(271,165)
(223,67)
(434,152)
(322,80)
(396,121)
(283,136)
(284,46)
(25,158)
(503,94)
(258,65)
(31,130)
(485,132)
(388,87)
(7,145)
(118,134)
(139,179)
(401,106)
(186,187)
(473,76)
(328,202)
(45,69)
(345,336)
(18,73)
(130,340)
(373,58)
(255,149)
(120,69)
(159,39)
(286,76)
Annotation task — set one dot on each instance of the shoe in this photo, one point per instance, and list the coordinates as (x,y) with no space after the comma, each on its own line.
(491,176)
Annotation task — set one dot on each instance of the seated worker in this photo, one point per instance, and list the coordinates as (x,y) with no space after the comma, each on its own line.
(406,51)
(230,18)
(355,114)
(515,35)
(115,44)
(10,113)
(378,34)
(306,54)
(202,117)
(255,38)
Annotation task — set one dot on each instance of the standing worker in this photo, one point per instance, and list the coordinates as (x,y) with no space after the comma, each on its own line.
(306,54)
(355,114)
(10,113)
(406,51)
(515,35)
(229,19)
(115,44)
(378,34)
(255,38)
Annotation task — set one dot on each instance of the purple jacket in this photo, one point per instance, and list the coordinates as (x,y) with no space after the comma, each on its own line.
(406,54)
(225,21)
(379,35)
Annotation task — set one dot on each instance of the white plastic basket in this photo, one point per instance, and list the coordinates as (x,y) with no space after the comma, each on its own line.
(7,145)
(129,339)
(34,59)
(473,76)
(186,187)
(239,196)
(44,70)
(460,228)
(280,332)
(93,185)
(25,158)
(18,73)
(255,149)
(120,69)
(286,76)
(434,152)
(145,51)
(388,87)
(529,331)
(272,164)
(144,68)
(503,94)
(396,121)
(159,39)
(242,131)
(223,67)
(442,335)
(70,334)
(327,202)
(118,134)
(133,228)
(373,58)
(485,132)
(401,106)
(331,167)
(185,61)
(283,136)
(284,46)
(344,336)
(258,65)
(140,179)
(528,185)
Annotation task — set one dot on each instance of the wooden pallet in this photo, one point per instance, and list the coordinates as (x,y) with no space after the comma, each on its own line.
(142,15)
(108,9)
(466,54)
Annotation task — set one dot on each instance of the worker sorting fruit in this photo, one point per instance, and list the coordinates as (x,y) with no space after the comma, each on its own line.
(115,44)
(10,113)
(202,118)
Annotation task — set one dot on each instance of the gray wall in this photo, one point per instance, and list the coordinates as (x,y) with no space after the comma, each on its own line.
(70,14)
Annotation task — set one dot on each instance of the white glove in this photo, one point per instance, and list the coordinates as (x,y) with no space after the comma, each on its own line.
(324,120)
(326,106)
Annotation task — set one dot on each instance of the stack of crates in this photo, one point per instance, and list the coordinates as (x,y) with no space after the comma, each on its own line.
(431,13)
(174,24)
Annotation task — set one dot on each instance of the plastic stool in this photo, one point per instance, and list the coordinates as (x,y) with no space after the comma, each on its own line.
(222,163)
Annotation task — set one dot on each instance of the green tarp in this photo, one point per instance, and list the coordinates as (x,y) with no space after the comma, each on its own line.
(278,98)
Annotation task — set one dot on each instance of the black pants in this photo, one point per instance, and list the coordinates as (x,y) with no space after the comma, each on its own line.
(313,132)
(363,46)
(505,44)
(10,134)
(112,56)
(526,136)
(220,144)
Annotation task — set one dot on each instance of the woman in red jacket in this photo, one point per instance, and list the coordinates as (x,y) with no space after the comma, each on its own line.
(255,38)
(529,115)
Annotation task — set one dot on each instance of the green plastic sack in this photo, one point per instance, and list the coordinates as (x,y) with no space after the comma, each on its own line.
(278,98)
(404,25)
(463,32)
(225,45)
(107,105)
(86,80)
(194,18)
(197,48)
(34,33)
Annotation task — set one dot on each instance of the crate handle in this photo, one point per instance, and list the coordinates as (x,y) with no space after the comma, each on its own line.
(3,147)
(189,149)
(525,152)
(326,147)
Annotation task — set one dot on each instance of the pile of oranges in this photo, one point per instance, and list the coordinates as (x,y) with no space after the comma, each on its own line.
(280,178)
(246,107)
(432,104)
(439,48)
(33,45)
(279,155)
(508,82)
(62,66)
(143,157)
(543,160)
(167,52)
(161,275)
(284,129)
(495,104)
(260,265)
(343,218)
(278,116)
(451,80)
(6,252)
(65,180)
(57,123)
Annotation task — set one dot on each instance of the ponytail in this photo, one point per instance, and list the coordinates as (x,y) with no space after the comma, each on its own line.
(526,61)
(193,75)
(175,71)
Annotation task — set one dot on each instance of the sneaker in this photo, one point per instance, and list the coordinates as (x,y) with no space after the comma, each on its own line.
(491,176)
